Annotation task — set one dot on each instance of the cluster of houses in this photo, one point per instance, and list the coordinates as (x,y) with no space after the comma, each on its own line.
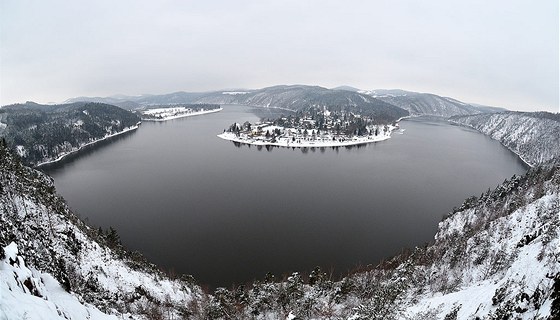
(309,127)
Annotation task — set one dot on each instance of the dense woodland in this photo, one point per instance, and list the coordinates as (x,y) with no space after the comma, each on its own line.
(534,136)
(42,132)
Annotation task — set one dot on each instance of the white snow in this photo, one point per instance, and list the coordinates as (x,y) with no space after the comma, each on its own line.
(11,251)
(107,136)
(534,140)
(503,234)
(115,277)
(308,142)
(301,143)
(20,150)
(48,299)
(164,114)
(234,92)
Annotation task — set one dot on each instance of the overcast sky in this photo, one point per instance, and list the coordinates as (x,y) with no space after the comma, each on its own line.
(502,53)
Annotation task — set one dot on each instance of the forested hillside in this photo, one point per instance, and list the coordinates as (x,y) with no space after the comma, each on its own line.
(42,133)
(420,104)
(294,97)
(55,266)
(387,104)
(534,136)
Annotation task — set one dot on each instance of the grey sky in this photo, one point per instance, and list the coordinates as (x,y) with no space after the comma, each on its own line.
(502,53)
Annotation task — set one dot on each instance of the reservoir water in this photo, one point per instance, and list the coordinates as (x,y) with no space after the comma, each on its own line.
(197,204)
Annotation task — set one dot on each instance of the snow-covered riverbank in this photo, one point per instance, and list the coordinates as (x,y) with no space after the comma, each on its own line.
(164,114)
(495,134)
(309,142)
(74,150)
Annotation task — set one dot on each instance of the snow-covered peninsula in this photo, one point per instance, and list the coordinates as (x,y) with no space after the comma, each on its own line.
(289,137)
(169,113)
(316,127)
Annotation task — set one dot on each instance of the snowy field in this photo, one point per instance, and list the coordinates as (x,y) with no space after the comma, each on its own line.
(164,114)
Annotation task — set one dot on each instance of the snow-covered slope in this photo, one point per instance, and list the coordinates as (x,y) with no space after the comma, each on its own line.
(534,136)
(424,103)
(289,97)
(26,293)
(300,97)
(68,262)
(495,257)
(46,133)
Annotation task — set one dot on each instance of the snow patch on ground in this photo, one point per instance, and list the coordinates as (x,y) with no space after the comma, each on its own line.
(292,139)
(164,114)
(527,272)
(320,142)
(26,293)
(233,93)
(20,150)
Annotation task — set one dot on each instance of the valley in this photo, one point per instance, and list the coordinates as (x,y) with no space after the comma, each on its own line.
(393,193)
(206,192)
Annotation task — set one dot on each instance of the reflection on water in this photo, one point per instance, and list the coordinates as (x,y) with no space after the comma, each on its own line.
(303,150)
(85,152)
(228,214)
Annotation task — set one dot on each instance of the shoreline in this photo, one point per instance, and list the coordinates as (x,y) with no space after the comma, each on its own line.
(184,115)
(324,143)
(64,155)
(511,150)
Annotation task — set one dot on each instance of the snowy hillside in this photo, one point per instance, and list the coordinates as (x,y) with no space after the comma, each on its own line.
(534,136)
(61,263)
(45,133)
(26,293)
(300,97)
(495,257)
(294,97)
(425,103)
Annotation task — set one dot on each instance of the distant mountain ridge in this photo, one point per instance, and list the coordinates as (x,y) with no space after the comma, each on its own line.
(289,97)
(429,104)
(303,97)
(298,97)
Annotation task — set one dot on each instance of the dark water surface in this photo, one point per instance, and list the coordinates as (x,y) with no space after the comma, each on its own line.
(197,204)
